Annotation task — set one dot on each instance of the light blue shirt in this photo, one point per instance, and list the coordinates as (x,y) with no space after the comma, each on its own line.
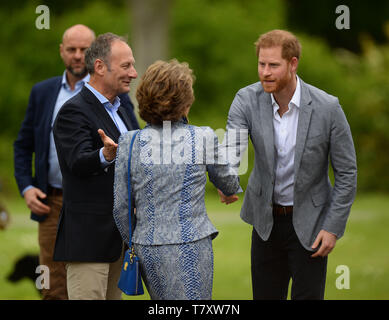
(112,111)
(65,93)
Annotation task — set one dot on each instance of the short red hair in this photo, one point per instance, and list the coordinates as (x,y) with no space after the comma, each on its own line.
(290,45)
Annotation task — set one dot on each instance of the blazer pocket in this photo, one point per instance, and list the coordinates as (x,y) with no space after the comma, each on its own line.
(257,191)
(319,199)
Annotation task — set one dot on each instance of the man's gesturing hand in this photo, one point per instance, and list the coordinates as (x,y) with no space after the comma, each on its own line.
(327,240)
(110,147)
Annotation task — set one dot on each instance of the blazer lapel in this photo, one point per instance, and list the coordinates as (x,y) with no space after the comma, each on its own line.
(109,126)
(303,126)
(52,94)
(266,120)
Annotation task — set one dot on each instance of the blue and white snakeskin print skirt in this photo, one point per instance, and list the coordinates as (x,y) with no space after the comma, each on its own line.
(178,271)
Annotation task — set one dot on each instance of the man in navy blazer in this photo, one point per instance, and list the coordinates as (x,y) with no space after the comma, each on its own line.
(86,133)
(42,190)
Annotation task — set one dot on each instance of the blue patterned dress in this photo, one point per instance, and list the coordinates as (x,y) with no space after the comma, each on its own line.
(178,271)
(173,234)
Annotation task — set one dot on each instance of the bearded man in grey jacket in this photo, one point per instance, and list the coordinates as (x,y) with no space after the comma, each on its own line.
(296,214)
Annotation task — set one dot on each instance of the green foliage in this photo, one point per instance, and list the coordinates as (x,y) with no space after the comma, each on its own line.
(217,39)
(367,96)
(318,18)
(30,55)
(360,82)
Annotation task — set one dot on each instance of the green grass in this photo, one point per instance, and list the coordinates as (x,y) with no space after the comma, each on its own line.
(363,249)
(20,238)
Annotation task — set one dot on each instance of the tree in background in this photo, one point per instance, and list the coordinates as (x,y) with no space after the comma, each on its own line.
(317,18)
(150,21)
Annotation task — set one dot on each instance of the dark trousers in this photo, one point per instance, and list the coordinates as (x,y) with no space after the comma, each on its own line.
(281,258)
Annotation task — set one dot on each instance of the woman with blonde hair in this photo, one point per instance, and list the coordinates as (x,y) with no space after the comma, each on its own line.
(169,161)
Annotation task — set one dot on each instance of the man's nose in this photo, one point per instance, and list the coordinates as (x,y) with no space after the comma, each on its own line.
(78,54)
(266,70)
(133,73)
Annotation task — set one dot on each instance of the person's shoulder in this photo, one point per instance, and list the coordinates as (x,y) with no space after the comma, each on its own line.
(319,96)
(249,95)
(74,102)
(48,84)
(127,136)
(76,105)
(202,129)
(202,132)
(251,89)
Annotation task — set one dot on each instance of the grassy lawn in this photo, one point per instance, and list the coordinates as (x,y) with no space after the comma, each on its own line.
(363,249)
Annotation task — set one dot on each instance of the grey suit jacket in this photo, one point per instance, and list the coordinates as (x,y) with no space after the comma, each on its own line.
(323,135)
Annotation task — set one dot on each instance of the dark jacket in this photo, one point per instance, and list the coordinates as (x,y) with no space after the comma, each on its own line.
(86,230)
(34,135)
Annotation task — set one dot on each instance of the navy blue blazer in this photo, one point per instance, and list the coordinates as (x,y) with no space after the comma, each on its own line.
(34,135)
(86,227)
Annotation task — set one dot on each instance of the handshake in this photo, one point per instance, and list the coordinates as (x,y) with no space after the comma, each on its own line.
(109,152)
(227,199)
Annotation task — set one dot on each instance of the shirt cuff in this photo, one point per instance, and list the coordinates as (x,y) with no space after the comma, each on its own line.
(104,163)
(27,188)
(240,190)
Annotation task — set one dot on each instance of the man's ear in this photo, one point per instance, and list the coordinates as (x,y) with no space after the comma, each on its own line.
(100,67)
(294,62)
(61,50)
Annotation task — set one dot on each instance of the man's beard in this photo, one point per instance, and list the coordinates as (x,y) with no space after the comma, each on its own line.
(80,74)
(280,83)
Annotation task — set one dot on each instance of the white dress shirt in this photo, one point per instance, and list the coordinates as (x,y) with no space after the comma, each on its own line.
(285,132)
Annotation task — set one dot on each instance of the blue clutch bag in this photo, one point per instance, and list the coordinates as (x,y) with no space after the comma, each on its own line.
(130,281)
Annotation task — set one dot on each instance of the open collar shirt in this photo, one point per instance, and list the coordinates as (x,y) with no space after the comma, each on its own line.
(285,132)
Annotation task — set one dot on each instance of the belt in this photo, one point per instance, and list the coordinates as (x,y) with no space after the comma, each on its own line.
(279,210)
(54,191)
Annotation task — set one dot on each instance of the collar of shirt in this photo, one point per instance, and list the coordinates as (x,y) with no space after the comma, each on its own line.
(104,101)
(183,120)
(295,98)
(79,83)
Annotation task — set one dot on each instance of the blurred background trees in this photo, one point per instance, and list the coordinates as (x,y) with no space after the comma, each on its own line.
(216,38)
